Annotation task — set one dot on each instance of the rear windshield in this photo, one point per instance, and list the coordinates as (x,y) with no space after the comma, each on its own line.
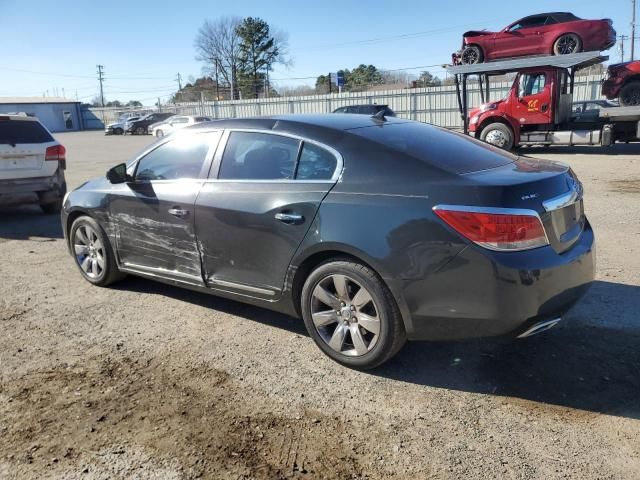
(443,149)
(23,131)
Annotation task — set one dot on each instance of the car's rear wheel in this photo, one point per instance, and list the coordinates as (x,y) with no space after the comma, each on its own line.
(566,44)
(630,94)
(471,54)
(498,135)
(92,252)
(140,131)
(351,315)
(159,133)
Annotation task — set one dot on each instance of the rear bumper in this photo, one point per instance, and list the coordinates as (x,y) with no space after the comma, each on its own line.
(31,185)
(481,293)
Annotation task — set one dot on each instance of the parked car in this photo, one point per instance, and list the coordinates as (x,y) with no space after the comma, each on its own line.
(622,81)
(175,123)
(556,33)
(140,126)
(374,231)
(117,128)
(31,162)
(371,109)
(589,111)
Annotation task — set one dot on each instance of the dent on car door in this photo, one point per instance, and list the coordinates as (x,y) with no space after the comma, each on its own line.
(254,212)
(154,213)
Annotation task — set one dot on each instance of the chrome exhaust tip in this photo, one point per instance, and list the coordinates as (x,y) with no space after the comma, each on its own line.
(540,327)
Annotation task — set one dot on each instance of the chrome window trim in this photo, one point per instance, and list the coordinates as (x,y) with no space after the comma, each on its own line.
(337,173)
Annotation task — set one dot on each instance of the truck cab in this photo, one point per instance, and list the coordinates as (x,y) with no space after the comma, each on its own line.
(538,99)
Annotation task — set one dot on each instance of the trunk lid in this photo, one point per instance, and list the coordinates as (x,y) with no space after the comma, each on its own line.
(21,161)
(549,188)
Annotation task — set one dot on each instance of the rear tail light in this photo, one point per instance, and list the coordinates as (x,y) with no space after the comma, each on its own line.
(57,152)
(504,229)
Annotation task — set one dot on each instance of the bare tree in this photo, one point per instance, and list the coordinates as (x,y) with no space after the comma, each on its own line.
(218,46)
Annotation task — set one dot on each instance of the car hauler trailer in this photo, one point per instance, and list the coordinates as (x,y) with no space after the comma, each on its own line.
(537,109)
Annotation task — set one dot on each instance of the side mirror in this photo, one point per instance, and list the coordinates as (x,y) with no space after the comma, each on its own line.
(118,174)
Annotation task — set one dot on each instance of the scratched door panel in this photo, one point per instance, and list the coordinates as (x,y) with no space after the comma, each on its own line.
(149,236)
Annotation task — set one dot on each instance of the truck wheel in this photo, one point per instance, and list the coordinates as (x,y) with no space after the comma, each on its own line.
(630,94)
(498,135)
(567,43)
(471,54)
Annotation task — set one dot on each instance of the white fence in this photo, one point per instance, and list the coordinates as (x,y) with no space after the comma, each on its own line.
(437,105)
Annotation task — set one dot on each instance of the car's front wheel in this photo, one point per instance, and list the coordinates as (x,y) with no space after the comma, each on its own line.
(471,54)
(566,44)
(159,133)
(630,94)
(140,131)
(92,252)
(118,131)
(351,315)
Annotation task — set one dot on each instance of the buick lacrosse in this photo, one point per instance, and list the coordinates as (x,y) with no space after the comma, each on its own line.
(374,230)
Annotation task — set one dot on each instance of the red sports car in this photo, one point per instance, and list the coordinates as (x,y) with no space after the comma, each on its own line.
(622,81)
(555,33)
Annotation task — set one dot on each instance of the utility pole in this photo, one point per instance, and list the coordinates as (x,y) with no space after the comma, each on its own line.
(179,80)
(101,79)
(633,29)
(622,38)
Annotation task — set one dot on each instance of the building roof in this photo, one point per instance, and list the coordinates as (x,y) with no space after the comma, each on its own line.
(34,100)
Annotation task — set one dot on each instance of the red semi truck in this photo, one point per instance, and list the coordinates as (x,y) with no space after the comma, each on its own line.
(537,109)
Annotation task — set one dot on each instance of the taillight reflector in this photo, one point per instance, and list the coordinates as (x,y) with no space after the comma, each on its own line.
(496,228)
(56,152)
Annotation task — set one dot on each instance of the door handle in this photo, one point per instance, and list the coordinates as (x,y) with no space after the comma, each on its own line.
(178,212)
(289,218)
(544,107)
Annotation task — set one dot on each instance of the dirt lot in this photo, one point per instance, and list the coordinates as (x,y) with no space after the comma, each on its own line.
(145,381)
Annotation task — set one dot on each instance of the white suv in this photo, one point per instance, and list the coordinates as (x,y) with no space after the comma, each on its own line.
(31,162)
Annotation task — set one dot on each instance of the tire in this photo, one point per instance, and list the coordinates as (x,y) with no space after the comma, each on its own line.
(357,292)
(118,131)
(48,207)
(140,131)
(630,94)
(92,252)
(471,54)
(159,133)
(566,44)
(499,135)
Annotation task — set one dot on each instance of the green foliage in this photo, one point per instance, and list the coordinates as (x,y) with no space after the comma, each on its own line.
(134,103)
(426,79)
(258,52)
(355,80)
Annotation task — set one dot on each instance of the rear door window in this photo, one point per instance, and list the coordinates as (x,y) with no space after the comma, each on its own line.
(259,156)
(315,163)
(180,158)
(13,132)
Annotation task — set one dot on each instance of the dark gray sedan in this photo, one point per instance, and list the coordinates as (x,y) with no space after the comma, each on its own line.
(372,230)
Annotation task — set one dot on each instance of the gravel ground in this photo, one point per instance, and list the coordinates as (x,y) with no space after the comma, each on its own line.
(144,380)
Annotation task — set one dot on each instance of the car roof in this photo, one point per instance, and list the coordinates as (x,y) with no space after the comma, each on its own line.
(560,16)
(330,121)
(19,116)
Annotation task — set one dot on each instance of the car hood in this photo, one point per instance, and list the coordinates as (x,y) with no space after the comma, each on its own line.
(485,107)
(476,33)
(115,124)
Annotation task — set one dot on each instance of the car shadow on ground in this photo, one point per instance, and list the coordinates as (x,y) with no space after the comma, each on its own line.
(232,307)
(592,362)
(617,149)
(27,221)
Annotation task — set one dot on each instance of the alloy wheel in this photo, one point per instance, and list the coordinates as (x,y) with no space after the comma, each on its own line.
(89,251)
(567,44)
(345,315)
